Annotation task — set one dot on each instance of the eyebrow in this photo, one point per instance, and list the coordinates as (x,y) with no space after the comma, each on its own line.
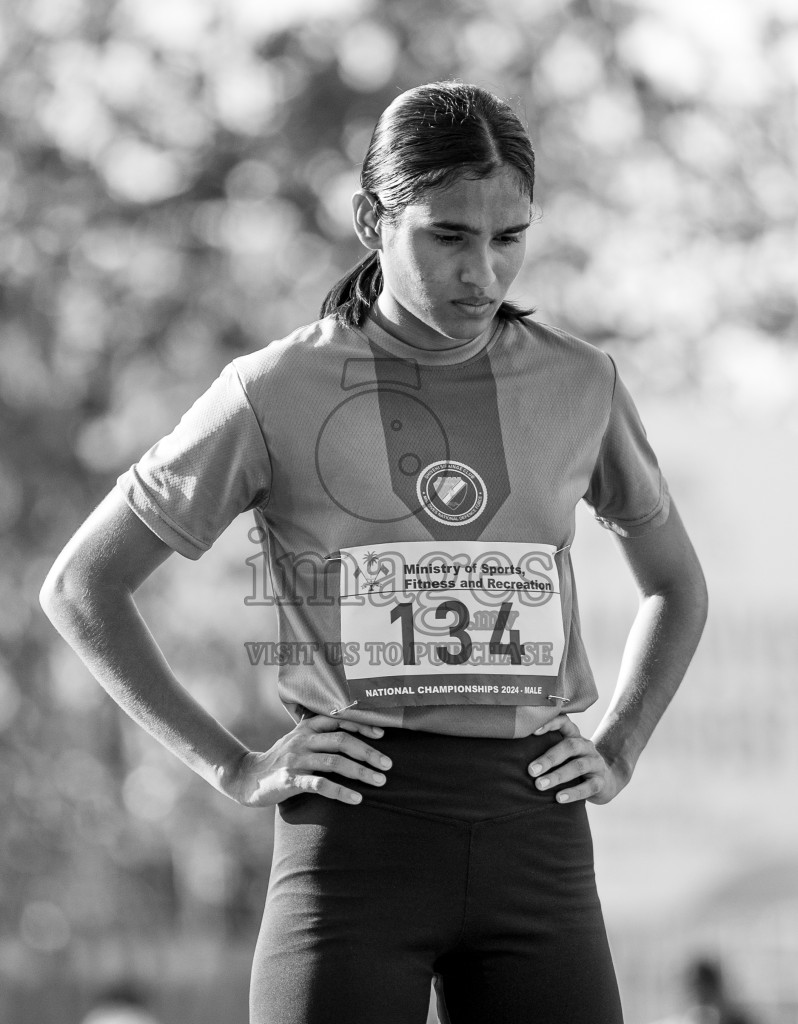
(449,225)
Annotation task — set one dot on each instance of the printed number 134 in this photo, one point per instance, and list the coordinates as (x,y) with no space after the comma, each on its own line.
(404,612)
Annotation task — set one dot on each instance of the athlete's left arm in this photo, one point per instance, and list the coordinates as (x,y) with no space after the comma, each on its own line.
(662,640)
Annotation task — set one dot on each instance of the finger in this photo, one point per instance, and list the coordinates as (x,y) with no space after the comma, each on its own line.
(560,723)
(322,723)
(576,768)
(340,765)
(573,746)
(374,731)
(326,788)
(326,723)
(551,725)
(586,790)
(343,742)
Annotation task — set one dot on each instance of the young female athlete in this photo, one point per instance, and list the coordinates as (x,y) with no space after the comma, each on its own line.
(414,459)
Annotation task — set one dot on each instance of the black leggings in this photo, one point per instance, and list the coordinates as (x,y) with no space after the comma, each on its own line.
(458,868)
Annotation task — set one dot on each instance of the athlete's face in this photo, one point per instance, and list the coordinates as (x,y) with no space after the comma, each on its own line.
(449,259)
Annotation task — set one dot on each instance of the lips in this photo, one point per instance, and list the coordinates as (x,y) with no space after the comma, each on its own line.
(473,307)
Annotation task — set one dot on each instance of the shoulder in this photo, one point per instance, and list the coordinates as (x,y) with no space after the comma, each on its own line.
(292,354)
(556,343)
(549,348)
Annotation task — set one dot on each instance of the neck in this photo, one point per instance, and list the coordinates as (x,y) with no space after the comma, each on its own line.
(395,320)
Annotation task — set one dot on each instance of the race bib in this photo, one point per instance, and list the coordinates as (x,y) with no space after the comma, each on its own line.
(431,622)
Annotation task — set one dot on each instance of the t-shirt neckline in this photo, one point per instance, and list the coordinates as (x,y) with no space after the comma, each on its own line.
(433,357)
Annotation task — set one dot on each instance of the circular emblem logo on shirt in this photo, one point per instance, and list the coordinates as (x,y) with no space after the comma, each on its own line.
(451,492)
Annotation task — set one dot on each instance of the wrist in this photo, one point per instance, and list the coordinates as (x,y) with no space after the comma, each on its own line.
(227,776)
(620,762)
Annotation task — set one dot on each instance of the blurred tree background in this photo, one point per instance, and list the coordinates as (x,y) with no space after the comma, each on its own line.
(174,191)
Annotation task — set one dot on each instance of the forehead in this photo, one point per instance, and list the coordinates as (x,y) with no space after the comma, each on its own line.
(498,201)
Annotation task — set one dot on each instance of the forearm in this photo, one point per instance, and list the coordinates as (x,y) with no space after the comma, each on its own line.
(661,643)
(105,628)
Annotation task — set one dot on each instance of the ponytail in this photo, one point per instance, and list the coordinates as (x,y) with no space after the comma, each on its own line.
(352,297)
(511,311)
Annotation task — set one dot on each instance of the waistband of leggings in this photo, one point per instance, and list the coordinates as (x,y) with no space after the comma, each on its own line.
(461,777)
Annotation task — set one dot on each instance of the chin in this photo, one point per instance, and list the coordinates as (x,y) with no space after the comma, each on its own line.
(466,334)
(467,331)
(459,329)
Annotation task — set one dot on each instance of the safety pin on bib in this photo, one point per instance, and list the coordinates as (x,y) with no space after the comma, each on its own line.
(337,711)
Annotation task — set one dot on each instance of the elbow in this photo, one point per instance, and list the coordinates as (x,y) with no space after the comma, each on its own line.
(690,596)
(697,590)
(54,593)
(65,590)
(684,592)
(699,599)
(704,598)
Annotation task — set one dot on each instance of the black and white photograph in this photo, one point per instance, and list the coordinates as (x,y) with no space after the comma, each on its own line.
(399,604)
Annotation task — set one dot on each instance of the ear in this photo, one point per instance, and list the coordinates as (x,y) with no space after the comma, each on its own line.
(367,222)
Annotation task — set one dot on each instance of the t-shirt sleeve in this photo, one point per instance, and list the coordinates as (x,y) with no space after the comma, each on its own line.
(627,491)
(192,483)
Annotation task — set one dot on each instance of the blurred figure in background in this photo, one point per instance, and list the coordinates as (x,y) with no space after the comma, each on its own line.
(709,1000)
(125,1003)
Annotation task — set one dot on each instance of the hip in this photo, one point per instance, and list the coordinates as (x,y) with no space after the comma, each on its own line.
(467,779)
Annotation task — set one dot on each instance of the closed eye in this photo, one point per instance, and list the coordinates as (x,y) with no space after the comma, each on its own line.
(448,239)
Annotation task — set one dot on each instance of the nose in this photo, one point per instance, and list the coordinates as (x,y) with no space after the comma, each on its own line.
(477,269)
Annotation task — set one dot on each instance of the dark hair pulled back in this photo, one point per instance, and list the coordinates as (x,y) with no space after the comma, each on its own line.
(425,139)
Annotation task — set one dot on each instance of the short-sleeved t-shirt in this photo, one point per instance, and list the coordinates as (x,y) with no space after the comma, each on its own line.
(362,456)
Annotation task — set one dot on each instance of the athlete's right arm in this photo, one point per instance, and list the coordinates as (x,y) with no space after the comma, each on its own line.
(88,596)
